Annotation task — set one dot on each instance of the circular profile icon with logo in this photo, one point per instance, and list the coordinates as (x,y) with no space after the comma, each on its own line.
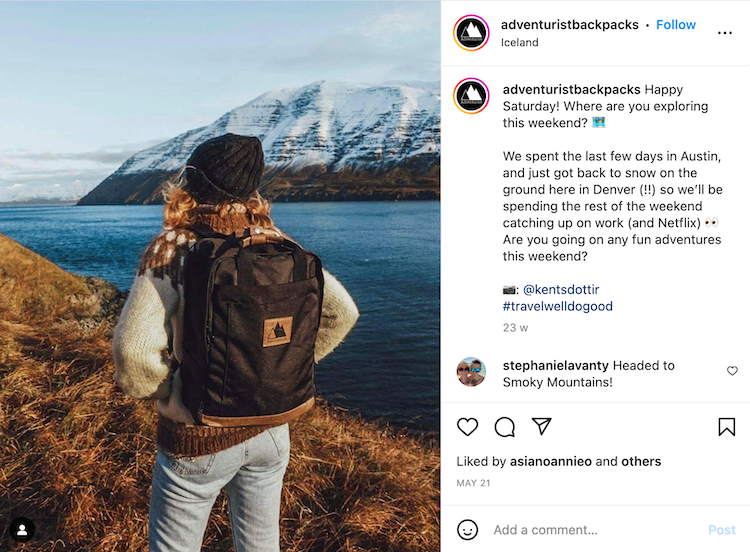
(471,96)
(471,33)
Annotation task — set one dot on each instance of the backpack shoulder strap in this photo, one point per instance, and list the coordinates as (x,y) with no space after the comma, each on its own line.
(257,235)
(205,231)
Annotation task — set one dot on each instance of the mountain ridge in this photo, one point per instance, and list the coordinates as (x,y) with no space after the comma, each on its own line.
(329,140)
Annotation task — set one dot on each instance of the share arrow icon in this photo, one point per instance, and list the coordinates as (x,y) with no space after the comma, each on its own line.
(542,423)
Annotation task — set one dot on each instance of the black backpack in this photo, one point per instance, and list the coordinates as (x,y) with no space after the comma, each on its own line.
(252,309)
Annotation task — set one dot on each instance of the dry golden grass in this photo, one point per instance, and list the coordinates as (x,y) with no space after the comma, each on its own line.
(32,286)
(76,455)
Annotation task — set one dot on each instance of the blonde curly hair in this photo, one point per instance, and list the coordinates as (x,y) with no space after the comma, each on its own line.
(181,210)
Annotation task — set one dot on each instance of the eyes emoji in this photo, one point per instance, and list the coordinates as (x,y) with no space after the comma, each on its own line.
(712,222)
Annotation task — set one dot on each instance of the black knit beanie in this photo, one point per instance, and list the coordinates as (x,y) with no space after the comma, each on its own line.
(224,168)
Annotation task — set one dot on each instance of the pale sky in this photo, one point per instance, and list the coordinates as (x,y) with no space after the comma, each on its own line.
(84,85)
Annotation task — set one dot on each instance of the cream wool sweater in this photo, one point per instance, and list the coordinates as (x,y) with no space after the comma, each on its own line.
(152,318)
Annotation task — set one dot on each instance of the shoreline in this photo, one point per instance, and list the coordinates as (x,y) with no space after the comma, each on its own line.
(128,231)
(348,200)
(79,453)
(105,288)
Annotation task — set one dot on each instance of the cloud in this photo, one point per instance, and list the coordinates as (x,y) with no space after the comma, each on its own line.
(99,156)
(402,42)
(67,175)
(110,155)
(405,21)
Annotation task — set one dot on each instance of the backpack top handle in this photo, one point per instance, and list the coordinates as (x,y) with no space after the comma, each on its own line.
(257,235)
(253,235)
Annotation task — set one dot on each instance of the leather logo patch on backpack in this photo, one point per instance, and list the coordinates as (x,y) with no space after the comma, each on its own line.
(277,331)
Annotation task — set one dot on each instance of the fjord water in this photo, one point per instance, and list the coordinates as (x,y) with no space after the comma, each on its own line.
(387,254)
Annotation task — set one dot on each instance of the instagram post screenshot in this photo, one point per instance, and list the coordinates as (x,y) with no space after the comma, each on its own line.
(374,276)
(220,276)
(594,378)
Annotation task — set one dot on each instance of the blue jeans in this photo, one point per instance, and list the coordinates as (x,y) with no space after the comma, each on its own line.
(184,489)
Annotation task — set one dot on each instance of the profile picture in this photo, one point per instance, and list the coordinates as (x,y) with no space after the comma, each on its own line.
(471,371)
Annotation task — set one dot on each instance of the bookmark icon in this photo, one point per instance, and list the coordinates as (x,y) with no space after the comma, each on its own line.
(727,425)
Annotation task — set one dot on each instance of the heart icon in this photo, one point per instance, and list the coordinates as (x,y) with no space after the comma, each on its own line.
(468,425)
(732,370)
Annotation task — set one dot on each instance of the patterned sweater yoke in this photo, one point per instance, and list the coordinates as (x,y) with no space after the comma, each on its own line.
(147,340)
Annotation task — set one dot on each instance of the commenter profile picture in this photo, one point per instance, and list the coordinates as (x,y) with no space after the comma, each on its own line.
(471,96)
(471,371)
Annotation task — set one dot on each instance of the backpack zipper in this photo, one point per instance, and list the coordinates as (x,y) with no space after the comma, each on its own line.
(226,356)
(208,335)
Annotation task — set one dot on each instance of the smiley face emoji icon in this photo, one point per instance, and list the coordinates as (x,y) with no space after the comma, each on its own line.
(467,529)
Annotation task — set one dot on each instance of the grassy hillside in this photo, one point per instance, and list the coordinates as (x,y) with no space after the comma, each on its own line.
(76,455)
(32,286)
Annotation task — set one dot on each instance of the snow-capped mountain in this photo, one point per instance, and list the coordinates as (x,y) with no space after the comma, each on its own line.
(366,136)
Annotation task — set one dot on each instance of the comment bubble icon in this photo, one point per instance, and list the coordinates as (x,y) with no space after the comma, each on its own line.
(505,427)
